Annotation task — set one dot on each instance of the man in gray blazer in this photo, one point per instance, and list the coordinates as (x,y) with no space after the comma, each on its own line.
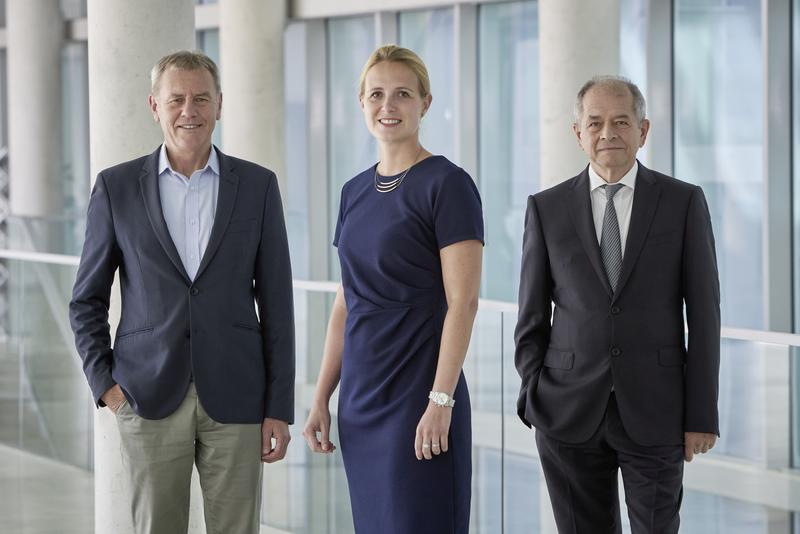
(610,260)
(202,367)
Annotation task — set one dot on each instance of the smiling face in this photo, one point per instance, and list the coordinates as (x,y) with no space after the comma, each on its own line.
(186,105)
(609,131)
(392,103)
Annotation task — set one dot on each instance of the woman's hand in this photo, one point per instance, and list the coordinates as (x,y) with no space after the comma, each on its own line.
(432,431)
(319,421)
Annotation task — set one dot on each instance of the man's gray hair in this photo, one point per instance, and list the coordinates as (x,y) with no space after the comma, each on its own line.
(184,60)
(612,82)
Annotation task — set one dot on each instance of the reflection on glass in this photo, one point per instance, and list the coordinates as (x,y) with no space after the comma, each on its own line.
(508,36)
(718,74)
(430,35)
(351,147)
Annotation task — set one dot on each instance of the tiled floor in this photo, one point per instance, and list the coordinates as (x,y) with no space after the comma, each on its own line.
(41,496)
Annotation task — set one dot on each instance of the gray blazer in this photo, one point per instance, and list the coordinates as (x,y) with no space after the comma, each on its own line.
(172,329)
(633,338)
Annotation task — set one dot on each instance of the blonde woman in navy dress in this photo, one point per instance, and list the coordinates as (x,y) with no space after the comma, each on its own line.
(410,240)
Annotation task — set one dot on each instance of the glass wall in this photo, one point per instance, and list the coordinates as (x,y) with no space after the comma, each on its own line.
(296,196)
(430,35)
(208,42)
(718,143)
(73,9)
(795,57)
(718,128)
(3,101)
(508,118)
(75,162)
(633,17)
(633,44)
(45,405)
(351,148)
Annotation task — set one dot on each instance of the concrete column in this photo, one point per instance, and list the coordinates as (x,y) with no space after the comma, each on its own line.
(34,106)
(125,39)
(577,40)
(251,60)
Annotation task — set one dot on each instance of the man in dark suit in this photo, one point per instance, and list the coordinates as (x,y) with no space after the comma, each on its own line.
(196,375)
(610,259)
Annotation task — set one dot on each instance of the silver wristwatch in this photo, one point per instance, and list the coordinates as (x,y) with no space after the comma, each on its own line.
(440,399)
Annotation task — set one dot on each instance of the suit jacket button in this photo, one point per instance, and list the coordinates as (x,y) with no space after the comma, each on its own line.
(187,333)
(616,351)
(615,310)
(194,291)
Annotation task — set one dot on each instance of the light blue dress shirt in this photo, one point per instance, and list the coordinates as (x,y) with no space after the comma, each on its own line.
(189,205)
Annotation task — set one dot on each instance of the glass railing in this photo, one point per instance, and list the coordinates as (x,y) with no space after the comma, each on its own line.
(747,485)
(59,234)
(44,403)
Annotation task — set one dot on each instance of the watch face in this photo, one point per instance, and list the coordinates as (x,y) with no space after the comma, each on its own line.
(439,398)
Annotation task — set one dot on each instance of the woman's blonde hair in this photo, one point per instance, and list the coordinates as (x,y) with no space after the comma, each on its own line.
(397,54)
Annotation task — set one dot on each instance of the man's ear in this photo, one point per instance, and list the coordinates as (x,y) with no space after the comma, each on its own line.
(644,129)
(219,107)
(151,101)
(577,131)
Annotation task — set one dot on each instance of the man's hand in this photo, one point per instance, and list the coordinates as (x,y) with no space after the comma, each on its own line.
(114,398)
(697,443)
(279,430)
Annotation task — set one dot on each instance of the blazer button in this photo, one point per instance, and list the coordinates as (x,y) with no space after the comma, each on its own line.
(615,310)
(194,291)
(187,334)
(616,351)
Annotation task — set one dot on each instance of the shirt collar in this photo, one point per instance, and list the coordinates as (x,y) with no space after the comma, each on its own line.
(629,179)
(164,164)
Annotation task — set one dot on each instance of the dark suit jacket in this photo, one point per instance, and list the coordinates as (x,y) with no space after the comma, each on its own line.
(633,338)
(172,329)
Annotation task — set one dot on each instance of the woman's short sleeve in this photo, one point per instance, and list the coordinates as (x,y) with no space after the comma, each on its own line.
(457,210)
(340,218)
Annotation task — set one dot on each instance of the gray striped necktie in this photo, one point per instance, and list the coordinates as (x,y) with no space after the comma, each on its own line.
(610,242)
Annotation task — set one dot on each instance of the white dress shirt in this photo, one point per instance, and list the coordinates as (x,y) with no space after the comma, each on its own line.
(189,206)
(623,201)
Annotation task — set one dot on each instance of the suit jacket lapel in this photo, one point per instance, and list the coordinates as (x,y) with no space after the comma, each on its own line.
(580,208)
(226,199)
(148,182)
(645,201)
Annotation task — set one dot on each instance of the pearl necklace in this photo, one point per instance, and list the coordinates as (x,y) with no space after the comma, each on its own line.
(388,187)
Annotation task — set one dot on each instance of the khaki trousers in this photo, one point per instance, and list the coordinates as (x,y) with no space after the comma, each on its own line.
(158,456)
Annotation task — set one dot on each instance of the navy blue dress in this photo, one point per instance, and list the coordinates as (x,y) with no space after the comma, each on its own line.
(392,279)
